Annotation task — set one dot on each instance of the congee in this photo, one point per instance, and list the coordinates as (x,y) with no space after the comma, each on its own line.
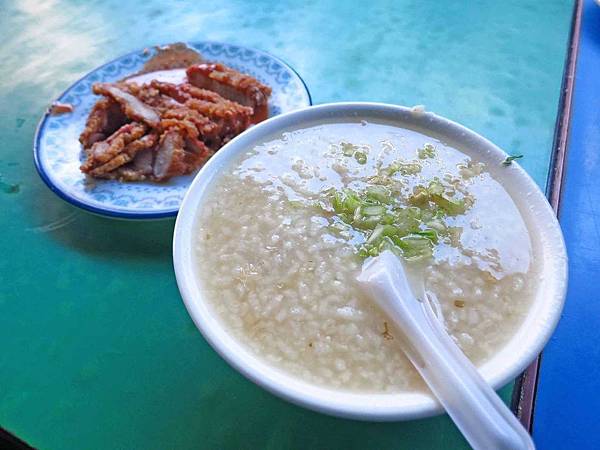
(286,228)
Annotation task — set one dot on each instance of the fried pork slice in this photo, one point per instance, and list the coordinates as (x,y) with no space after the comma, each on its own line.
(133,108)
(196,124)
(178,154)
(147,142)
(152,97)
(231,121)
(139,169)
(142,163)
(212,97)
(105,118)
(233,85)
(170,90)
(216,118)
(103,151)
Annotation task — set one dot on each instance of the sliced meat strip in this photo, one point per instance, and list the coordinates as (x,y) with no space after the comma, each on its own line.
(133,108)
(231,119)
(148,141)
(117,161)
(103,151)
(142,163)
(171,90)
(105,118)
(129,152)
(170,155)
(185,125)
(216,118)
(183,92)
(198,147)
(206,130)
(139,169)
(153,97)
(178,154)
(209,96)
(232,85)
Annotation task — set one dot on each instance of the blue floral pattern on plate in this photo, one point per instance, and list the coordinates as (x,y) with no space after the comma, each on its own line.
(57,151)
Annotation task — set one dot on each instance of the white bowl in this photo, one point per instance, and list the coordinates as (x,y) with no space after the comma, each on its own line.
(499,370)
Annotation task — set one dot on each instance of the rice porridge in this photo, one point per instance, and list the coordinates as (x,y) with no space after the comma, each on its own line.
(285,230)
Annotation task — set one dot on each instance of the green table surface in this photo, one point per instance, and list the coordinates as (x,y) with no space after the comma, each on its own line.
(98,350)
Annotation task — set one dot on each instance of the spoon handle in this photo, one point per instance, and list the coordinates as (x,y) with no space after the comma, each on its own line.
(482,417)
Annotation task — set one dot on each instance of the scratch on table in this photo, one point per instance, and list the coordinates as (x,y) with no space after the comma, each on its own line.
(55,225)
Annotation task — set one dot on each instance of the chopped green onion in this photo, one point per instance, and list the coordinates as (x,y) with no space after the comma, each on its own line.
(372,210)
(420,196)
(428,151)
(386,223)
(388,244)
(388,219)
(360,157)
(369,223)
(347,148)
(379,194)
(352,201)
(380,180)
(435,193)
(429,234)
(437,225)
(408,219)
(296,204)
(509,159)
(415,247)
(337,202)
(347,218)
(448,204)
(382,230)
(435,187)
(404,168)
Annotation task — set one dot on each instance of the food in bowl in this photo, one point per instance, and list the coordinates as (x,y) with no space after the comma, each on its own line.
(284,230)
(170,118)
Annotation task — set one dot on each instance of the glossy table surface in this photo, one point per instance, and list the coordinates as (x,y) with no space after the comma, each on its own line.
(98,350)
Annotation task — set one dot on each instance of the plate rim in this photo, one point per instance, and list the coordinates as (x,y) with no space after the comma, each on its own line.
(124,214)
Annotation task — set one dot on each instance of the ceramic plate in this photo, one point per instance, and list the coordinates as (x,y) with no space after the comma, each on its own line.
(57,150)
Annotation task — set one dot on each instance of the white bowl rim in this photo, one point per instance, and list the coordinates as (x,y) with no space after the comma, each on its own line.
(510,361)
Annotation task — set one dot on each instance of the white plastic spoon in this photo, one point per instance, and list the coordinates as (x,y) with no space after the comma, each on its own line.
(475,408)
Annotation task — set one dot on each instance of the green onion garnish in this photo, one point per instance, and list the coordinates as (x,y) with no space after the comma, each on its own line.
(360,157)
(509,159)
(404,168)
(387,222)
(428,151)
(349,149)
(379,194)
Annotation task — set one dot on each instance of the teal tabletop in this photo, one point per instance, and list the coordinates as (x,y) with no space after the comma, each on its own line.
(98,349)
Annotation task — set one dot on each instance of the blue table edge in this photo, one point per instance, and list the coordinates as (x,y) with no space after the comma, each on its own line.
(524,392)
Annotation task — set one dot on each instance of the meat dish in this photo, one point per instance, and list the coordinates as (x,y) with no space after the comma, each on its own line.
(156,130)
(234,85)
